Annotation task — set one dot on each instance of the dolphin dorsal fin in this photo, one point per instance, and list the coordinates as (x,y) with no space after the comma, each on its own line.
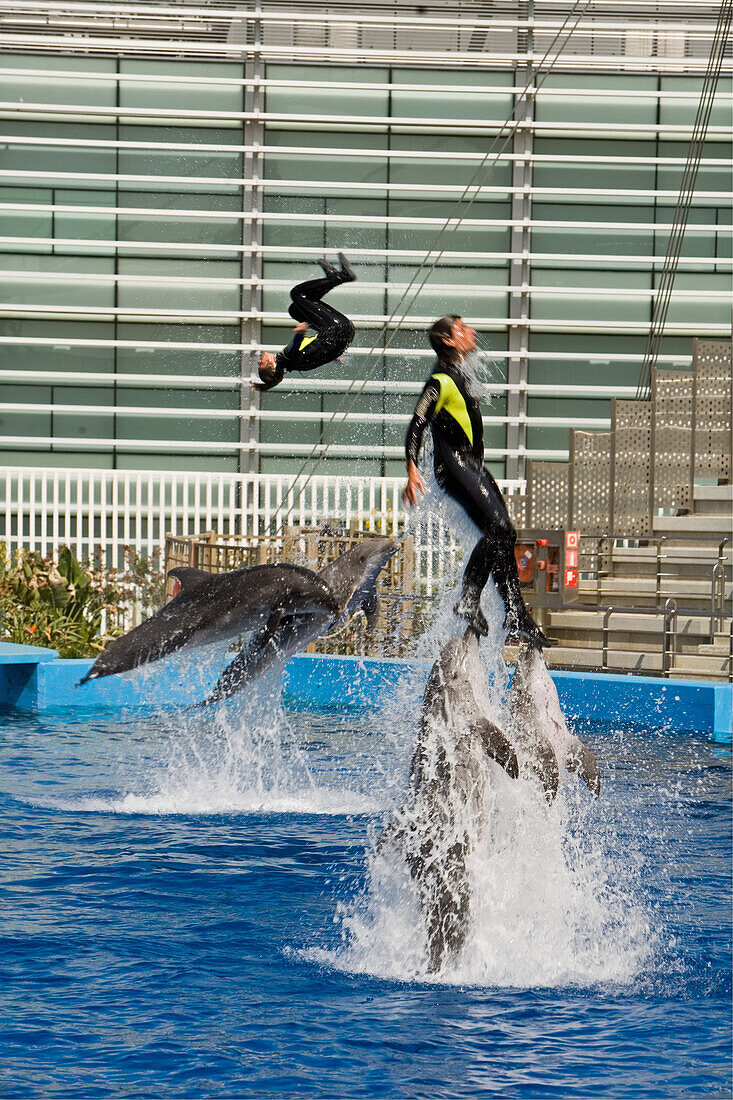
(188,578)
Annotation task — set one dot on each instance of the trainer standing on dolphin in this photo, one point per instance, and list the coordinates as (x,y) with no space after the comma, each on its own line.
(448,405)
(331,335)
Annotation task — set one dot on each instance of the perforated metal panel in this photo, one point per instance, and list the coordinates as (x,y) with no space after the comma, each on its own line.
(672,438)
(547,495)
(590,482)
(630,467)
(712,408)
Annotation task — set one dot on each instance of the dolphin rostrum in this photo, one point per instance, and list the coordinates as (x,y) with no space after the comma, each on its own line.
(450,773)
(538,730)
(351,581)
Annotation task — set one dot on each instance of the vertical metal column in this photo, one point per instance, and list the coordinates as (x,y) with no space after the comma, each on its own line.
(520,243)
(251,267)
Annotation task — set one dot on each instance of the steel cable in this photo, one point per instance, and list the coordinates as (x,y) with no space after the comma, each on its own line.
(661,303)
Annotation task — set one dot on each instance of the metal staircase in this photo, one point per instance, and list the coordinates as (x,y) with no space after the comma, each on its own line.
(653,502)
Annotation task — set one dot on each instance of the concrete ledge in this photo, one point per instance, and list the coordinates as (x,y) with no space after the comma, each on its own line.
(45,683)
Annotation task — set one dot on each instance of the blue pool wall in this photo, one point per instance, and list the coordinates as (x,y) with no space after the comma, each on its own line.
(37,680)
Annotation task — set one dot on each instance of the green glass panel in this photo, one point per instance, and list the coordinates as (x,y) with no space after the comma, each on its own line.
(595,236)
(45,82)
(59,458)
(575,305)
(347,102)
(30,425)
(66,291)
(174,96)
(199,463)
(469,298)
(198,163)
(87,422)
(589,98)
(176,428)
(435,103)
(700,309)
(43,158)
(682,112)
(596,173)
(173,294)
(58,357)
(443,170)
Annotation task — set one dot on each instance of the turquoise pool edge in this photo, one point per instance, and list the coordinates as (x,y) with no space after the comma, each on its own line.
(38,680)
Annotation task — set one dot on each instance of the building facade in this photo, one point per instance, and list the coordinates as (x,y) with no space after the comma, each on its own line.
(168,171)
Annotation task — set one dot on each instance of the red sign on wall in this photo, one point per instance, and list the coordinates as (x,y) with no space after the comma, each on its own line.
(571,578)
(571,558)
(572,539)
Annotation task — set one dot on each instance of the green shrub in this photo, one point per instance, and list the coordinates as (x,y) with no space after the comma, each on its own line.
(71,606)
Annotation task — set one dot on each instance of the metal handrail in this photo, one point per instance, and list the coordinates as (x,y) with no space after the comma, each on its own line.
(658,543)
(604,651)
(717,589)
(670,632)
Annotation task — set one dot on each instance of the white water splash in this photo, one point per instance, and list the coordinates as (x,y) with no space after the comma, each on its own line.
(245,756)
(551,899)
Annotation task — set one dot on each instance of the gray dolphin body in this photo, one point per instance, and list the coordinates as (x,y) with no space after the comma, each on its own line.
(212,607)
(351,581)
(449,776)
(287,606)
(539,732)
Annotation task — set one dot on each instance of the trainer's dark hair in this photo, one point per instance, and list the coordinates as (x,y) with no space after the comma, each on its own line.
(437,334)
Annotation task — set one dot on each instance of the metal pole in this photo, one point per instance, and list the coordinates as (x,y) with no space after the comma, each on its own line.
(519,269)
(670,630)
(604,652)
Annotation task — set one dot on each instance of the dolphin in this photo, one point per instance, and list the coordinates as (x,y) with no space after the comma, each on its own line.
(450,773)
(538,730)
(351,581)
(287,606)
(215,606)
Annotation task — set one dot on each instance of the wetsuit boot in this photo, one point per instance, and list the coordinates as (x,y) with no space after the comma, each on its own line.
(518,620)
(343,274)
(469,608)
(348,275)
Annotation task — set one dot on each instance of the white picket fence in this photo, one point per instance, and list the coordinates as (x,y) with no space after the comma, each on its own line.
(105,511)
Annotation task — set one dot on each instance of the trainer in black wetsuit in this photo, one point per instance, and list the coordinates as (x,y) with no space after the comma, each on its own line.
(331,333)
(454,416)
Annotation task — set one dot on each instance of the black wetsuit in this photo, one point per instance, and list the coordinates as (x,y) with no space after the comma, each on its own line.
(332,331)
(457,428)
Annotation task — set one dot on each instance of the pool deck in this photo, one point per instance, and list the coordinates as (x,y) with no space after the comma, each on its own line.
(38,680)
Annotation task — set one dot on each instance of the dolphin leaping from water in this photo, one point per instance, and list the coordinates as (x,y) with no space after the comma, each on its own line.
(287,606)
(451,771)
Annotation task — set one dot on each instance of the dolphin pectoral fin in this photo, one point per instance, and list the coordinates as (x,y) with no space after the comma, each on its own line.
(547,769)
(497,746)
(261,652)
(582,761)
(370,607)
(274,621)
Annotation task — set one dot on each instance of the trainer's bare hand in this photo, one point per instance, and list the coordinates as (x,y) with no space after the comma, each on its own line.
(414,485)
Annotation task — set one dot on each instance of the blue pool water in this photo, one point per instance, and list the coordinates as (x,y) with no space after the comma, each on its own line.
(192,911)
